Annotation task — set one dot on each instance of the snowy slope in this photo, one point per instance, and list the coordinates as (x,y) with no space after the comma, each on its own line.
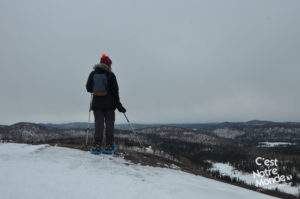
(43,171)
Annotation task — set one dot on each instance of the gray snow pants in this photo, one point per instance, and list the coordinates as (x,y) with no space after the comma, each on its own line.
(109,118)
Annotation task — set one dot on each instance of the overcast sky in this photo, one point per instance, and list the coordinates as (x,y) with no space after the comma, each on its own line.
(175,61)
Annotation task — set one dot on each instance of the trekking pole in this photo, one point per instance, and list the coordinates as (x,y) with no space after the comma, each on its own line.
(88,127)
(133,130)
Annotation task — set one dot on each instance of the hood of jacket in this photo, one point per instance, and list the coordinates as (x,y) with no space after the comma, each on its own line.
(103,66)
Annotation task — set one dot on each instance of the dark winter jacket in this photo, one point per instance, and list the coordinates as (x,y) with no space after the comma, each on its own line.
(110,101)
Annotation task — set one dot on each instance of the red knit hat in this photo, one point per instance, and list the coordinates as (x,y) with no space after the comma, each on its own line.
(105,60)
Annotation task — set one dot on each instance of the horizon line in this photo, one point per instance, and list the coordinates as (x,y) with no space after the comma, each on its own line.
(155,123)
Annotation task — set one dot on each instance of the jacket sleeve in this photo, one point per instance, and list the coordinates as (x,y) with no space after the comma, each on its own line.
(89,83)
(115,90)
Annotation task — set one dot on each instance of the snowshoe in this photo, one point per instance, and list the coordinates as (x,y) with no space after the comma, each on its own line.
(109,149)
(96,149)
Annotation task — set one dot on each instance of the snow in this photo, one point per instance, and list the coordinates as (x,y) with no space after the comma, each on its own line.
(43,171)
(273,144)
(228,170)
(149,150)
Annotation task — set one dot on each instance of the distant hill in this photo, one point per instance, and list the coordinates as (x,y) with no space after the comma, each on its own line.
(191,126)
(72,125)
(252,123)
(35,133)
(251,132)
(84,125)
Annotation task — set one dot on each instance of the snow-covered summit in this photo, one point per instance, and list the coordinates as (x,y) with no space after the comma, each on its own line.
(43,171)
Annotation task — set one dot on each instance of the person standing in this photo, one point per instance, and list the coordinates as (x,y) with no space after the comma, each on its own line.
(103,85)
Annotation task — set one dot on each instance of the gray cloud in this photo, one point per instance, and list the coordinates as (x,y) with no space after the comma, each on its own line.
(182,61)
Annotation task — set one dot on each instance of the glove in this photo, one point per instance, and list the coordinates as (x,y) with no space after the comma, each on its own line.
(121,108)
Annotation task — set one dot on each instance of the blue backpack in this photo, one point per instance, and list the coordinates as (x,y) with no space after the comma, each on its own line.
(100,85)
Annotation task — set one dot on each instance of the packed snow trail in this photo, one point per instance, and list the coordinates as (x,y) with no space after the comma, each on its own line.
(43,171)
